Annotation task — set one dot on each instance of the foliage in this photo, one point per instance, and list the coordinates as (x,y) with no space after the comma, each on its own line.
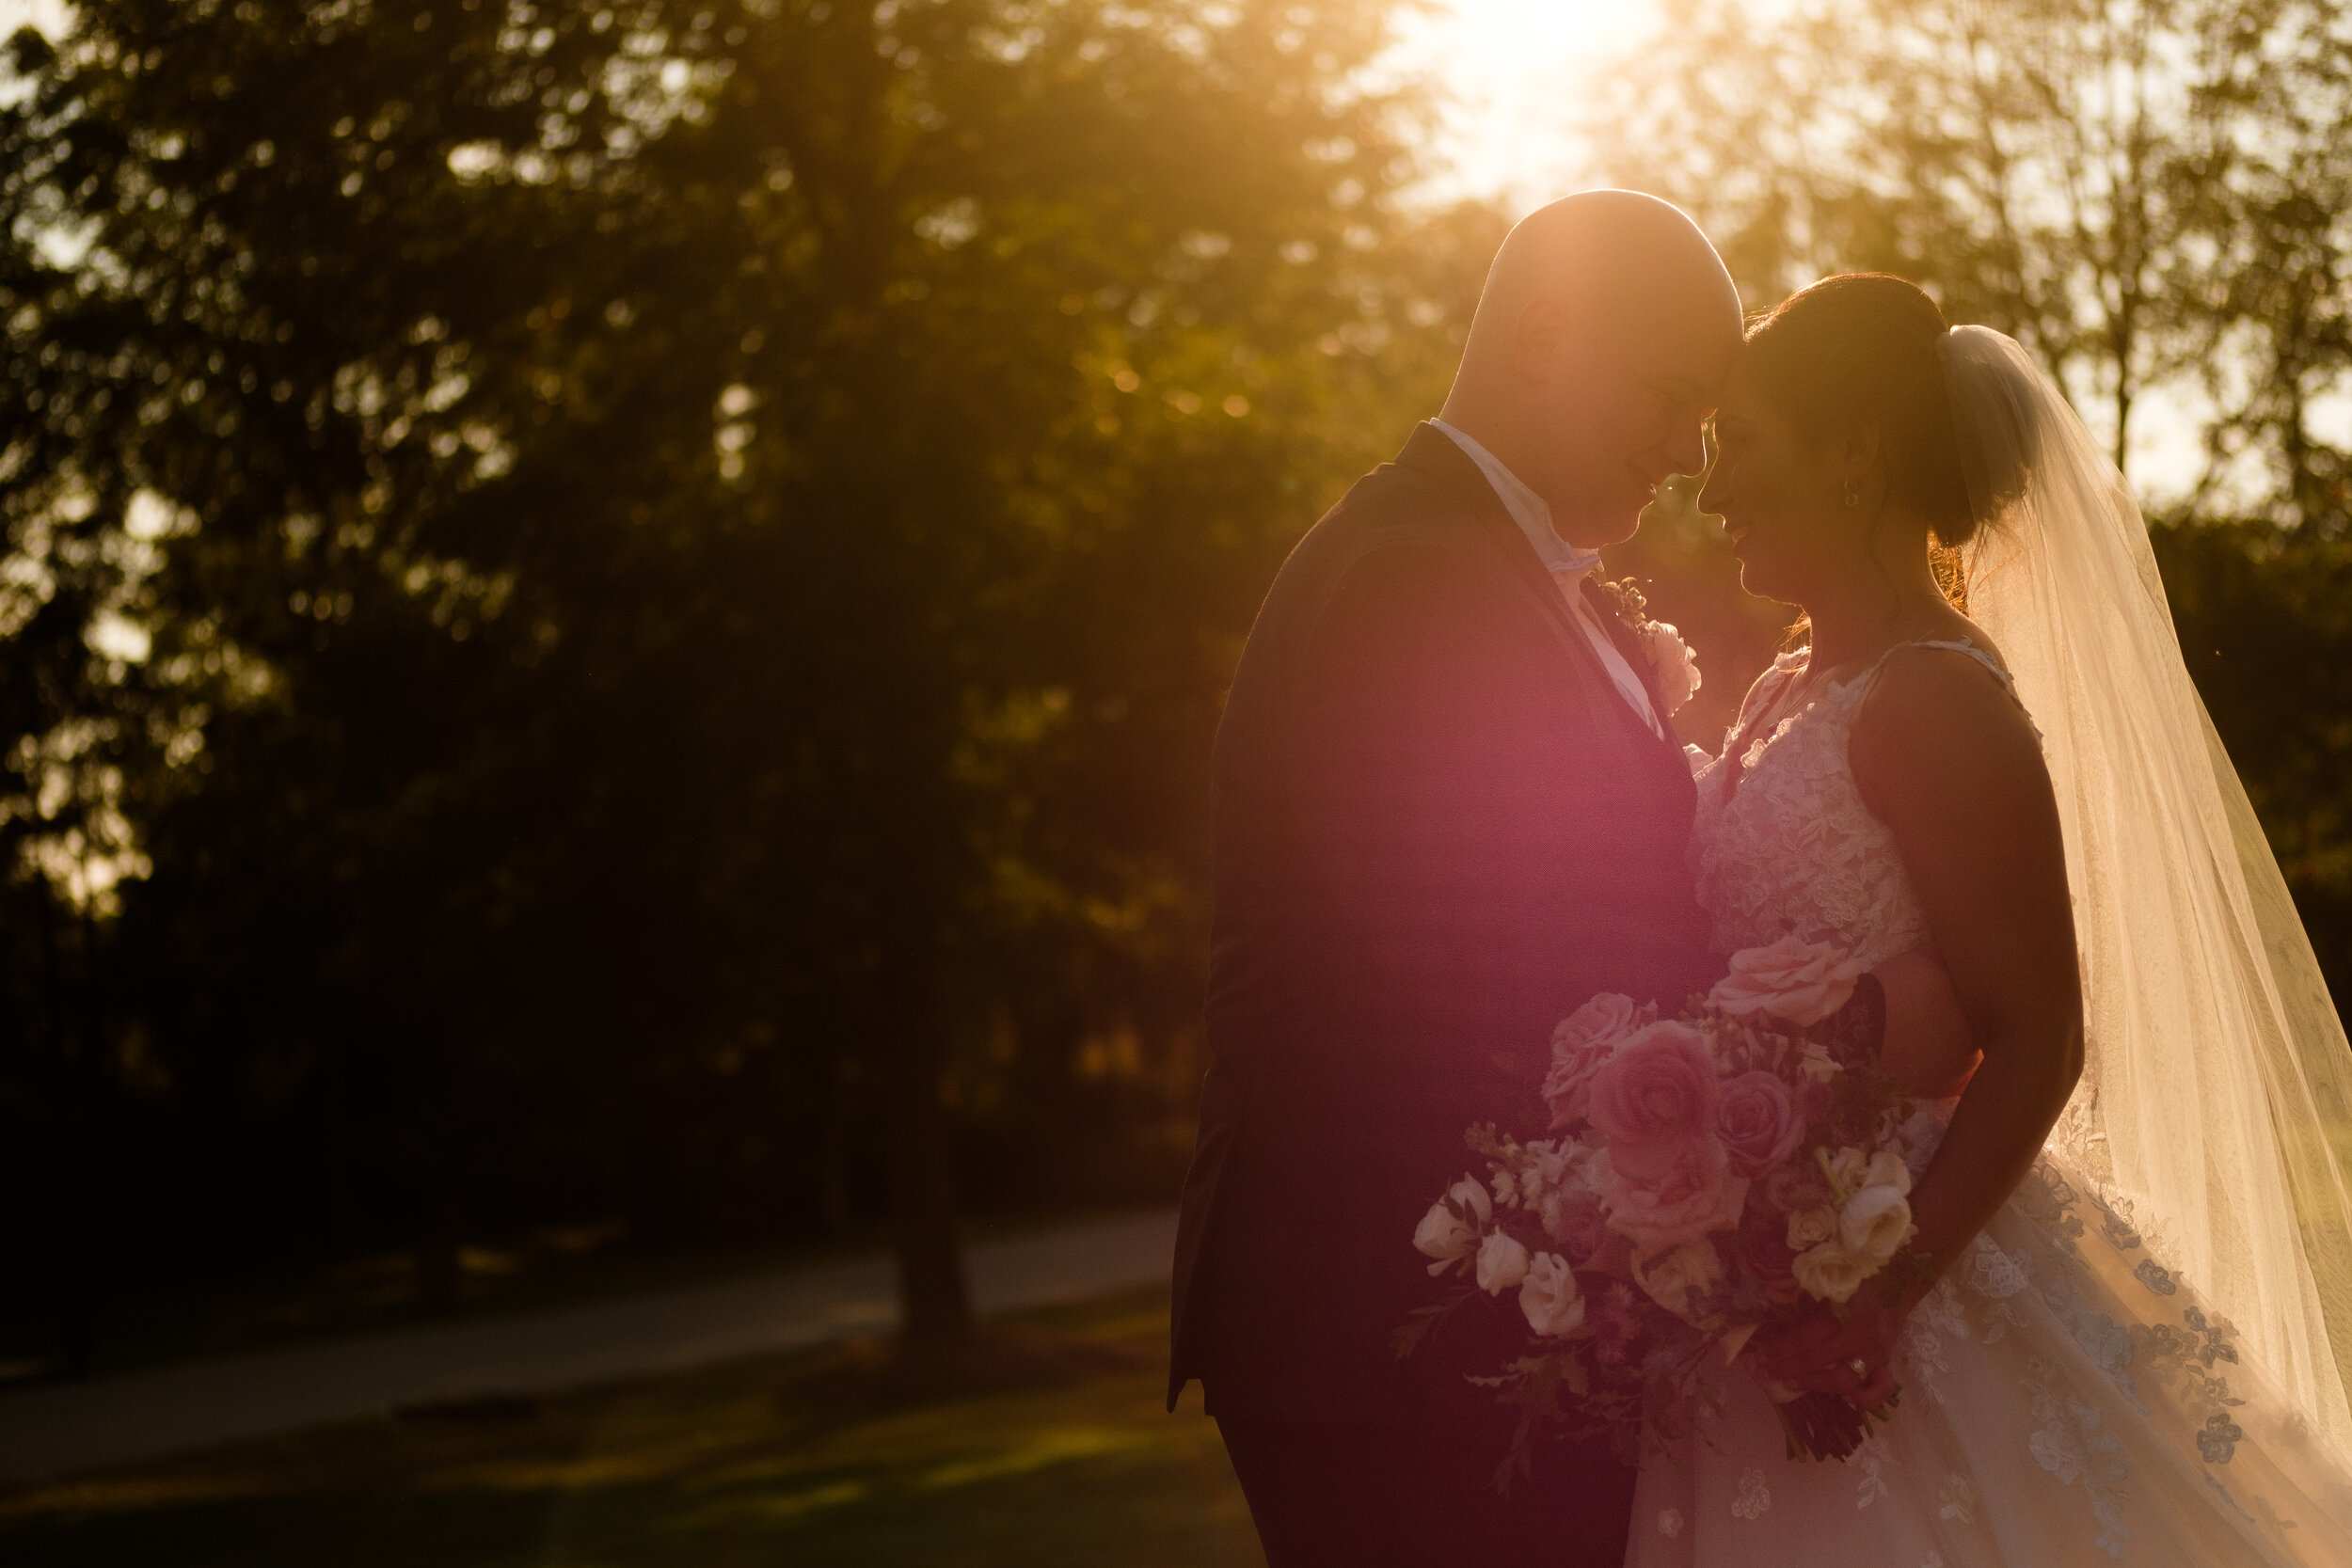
(2151,196)
(616,600)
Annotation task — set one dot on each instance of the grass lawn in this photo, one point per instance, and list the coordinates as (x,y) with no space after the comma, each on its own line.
(1047,1447)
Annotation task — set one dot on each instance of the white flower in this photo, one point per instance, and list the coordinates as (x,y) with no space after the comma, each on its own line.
(1502,1263)
(1886,1170)
(1850,1169)
(1449,1232)
(1811,1226)
(1676,668)
(1831,1272)
(1671,1277)
(1561,1180)
(1875,1222)
(1549,1297)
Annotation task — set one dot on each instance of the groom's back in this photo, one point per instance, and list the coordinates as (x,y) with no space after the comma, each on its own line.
(1438,829)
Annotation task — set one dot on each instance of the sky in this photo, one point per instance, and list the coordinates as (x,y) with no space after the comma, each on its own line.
(1513,69)
(1510,66)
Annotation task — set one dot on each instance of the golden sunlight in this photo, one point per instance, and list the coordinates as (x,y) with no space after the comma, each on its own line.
(1513,69)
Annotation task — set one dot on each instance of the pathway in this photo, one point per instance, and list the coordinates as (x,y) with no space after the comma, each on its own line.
(52,1431)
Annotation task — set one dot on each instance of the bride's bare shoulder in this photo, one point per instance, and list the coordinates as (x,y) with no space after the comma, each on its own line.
(1942,724)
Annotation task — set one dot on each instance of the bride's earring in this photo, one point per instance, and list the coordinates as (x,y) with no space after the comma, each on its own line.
(1852,498)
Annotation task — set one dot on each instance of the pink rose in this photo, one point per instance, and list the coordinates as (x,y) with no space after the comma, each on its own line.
(1581,1046)
(1758,1122)
(1693,1194)
(1657,1096)
(1803,982)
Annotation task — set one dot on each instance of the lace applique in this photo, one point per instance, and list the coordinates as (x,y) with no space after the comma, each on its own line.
(1997,1274)
(1934,1323)
(1871,1460)
(2048,1199)
(1784,845)
(2075,1447)
(1956,1499)
(1670,1523)
(2269,1518)
(1754,1498)
(2218,1440)
(2182,1360)
(2121,1233)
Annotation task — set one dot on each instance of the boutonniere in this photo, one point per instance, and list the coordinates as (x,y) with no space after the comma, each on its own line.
(1670,657)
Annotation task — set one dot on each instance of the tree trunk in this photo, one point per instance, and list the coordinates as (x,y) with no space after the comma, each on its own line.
(933,1302)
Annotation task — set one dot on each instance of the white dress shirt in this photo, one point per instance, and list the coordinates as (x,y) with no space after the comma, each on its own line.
(1568,565)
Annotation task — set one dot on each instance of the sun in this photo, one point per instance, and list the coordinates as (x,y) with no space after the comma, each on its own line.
(1514,71)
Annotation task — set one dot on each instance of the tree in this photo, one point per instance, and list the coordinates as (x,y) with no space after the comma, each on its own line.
(688,553)
(2150,195)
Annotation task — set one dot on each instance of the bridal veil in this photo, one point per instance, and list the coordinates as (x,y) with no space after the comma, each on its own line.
(2216,1105)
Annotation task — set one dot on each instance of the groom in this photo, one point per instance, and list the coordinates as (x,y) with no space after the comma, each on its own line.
(1448,809)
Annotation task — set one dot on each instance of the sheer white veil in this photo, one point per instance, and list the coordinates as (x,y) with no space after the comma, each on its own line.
(2216,1105)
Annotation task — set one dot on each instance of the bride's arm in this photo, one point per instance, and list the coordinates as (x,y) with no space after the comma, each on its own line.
(1948,761)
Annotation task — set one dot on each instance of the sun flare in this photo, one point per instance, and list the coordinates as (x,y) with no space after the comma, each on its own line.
(1512,70)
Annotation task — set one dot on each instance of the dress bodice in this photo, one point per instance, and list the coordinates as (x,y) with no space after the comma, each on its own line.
(1783,845)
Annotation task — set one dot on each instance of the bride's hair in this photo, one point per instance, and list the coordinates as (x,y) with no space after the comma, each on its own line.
(1862,348)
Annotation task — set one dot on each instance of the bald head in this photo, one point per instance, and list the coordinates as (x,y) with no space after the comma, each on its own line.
(1606,326)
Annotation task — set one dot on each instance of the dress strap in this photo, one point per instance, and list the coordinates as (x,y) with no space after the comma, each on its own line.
(1964,646)
(1956,645)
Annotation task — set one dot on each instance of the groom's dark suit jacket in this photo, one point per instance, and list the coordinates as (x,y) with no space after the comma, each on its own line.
(1439,829)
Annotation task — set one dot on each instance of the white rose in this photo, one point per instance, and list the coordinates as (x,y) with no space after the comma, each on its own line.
(1502,1263)
(1549,1297)
(1811,1226)
(1449,1232)
(1875,1222)
(1676,668)
(1831,1273)
(1671,1277)
(1886,1170)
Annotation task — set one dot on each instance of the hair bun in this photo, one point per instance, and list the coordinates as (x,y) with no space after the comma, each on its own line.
(1864,348)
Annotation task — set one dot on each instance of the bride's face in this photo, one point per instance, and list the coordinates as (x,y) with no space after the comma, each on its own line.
(1781,495)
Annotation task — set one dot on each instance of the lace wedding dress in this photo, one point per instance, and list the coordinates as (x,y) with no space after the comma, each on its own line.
(2068,1394)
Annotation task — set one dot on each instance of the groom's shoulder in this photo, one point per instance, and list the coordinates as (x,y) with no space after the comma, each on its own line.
(1394,514)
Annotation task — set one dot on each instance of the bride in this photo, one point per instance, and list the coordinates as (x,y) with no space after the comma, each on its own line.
(2133,1178)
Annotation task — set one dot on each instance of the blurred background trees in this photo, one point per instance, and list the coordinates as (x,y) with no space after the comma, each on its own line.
(2155,198)
(614,608)
(618,608)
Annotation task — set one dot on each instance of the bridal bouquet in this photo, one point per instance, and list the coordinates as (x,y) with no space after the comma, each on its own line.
(1712,1174)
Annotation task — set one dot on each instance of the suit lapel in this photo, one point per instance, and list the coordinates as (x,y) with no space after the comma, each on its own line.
(1435,454)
